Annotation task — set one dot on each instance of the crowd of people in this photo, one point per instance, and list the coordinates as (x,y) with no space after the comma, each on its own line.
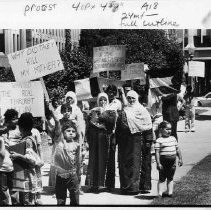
(116,130)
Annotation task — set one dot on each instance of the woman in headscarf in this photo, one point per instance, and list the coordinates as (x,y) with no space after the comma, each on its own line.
(132,124)
(76,115)
(101,123)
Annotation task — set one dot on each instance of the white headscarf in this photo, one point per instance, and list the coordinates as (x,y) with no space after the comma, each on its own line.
(138,117)
(73,96)
(98,100)
(133,94)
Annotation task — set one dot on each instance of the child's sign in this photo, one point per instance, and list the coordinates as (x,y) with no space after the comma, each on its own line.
(24,97)
(35,62)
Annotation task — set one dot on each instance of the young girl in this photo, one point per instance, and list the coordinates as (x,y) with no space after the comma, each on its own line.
(166,150)
(66,161)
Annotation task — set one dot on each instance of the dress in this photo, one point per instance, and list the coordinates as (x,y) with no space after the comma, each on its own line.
(134,134)
(98,134)
(129,156)
(27,179)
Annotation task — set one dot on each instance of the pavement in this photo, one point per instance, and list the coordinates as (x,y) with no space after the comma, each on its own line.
(194,146)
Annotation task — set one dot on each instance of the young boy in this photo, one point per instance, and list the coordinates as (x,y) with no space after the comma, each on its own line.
(66,161)
(166,150)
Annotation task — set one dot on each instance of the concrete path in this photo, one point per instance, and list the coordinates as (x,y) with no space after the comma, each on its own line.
(194,147)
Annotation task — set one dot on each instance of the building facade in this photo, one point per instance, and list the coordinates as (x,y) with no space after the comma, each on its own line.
(13,40)
(197,47)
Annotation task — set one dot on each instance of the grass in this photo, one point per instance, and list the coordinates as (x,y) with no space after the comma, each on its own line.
(194,189)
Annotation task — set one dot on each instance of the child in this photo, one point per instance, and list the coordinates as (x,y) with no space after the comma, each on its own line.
(166,150)
(189,110)
(66,161)
(27,175)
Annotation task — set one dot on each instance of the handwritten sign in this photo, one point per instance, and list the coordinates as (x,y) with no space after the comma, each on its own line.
(196,69)
(134,71)
(24,97)
(107,14)
(109,58)
(35,62)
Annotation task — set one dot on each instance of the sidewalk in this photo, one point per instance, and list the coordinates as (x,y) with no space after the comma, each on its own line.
(194,147)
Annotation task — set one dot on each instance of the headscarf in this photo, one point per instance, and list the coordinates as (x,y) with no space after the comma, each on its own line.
(98,99)
(133,94)
(73,96)
(138,117)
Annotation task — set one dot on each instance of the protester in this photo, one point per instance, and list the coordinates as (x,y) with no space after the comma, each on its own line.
(14,136)
(170,111)
(116,105)
(101,124)
(27,174)
(189,110)
(77,115)
(6,170)
(66,160)
(132,122)
(167,149)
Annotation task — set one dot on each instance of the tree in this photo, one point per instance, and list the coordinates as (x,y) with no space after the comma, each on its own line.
(77,65)
(149,46)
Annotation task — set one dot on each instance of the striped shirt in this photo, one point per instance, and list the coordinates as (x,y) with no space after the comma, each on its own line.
(167,146)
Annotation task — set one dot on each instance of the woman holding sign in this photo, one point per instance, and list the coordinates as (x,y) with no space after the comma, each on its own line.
(100,126)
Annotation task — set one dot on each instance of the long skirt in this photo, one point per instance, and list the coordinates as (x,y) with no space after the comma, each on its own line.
(98,157)
(129,154)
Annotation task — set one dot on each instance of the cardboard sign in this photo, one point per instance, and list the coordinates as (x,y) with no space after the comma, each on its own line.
(24,97)
(35,62)
(134,71)
(109,58)
(196,69)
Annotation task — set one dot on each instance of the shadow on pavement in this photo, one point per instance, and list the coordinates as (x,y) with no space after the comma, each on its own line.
(203,117)
(146,197)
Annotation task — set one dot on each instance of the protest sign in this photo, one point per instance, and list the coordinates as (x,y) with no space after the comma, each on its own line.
(109,58)
(196,69)
(91,87)
(24,97)
(134,71)
(35,62)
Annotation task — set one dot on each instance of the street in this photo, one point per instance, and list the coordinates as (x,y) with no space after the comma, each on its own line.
(194,147)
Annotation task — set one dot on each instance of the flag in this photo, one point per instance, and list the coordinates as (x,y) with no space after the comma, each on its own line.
(161,85)
(90,87)
(160,82)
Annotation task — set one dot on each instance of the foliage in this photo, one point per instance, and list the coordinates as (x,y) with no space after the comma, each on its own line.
(6,75)
(149,46)
(76,66)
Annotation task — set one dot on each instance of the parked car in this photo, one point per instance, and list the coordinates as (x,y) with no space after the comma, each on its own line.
(204,100)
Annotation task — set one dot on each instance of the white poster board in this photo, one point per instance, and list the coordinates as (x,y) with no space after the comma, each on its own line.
(134,71)
(196,69)
(35,62)
(109,58)
(24,97)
